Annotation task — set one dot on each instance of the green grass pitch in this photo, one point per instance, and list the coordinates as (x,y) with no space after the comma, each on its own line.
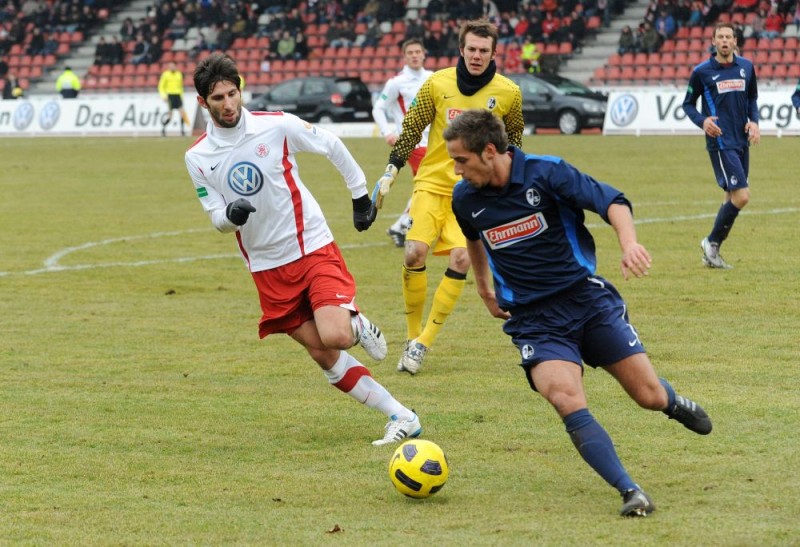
(138,406)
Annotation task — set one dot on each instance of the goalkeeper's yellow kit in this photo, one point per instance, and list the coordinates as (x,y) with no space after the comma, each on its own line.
(437,103)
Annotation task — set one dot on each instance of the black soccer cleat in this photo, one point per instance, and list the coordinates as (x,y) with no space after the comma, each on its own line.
(635,503)
(691,415)
(398,238)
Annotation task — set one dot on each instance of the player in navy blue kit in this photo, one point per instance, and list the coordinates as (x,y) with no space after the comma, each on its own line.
(523,218)
(729,90)
(796,99)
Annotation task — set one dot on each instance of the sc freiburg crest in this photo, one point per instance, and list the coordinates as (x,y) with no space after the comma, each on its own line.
(245,178)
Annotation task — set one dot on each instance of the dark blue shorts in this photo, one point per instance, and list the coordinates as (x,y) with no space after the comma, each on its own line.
(731,168)
(587,323)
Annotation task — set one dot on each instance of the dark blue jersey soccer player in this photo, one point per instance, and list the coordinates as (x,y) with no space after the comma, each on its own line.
(523,218)
(796,99)
(729,91)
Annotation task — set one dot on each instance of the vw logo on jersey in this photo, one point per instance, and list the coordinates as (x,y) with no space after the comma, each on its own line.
(533,197)
(23,116)
(245,178)
(491,103)
(527,352)
(48,117)
(624,110)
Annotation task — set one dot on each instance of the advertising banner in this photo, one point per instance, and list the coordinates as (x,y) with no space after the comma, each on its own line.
(650,111)
(121,115)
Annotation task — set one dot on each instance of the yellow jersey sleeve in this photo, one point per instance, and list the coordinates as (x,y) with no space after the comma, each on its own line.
(438,103)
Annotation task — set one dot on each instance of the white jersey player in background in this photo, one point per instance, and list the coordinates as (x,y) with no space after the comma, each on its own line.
(388,112)
(246,176)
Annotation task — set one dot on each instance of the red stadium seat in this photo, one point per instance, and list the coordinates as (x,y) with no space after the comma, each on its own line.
(781,72)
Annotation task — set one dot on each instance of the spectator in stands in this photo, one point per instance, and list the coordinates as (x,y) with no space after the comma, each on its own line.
(774,25)
(505,31)
(744,6)
(178,27)
(651,40)
(738,33)
(101,52)
(757,24)
(373,35)
(627,41)
(797,18)
(551,28)
(432,43)
(682,12)
(140,50)
(127,31)
(225,37)
(665,25)
(340,34)
(414,30)
(604,9)
(435,10)
(199,45)
(155,51)
(68,84)
(50,44)
(577,30)
(36,43)
(370,11)
(512,63)
(11,88)
(286,46)
(449,40)
(489,10)
(530,56)
(696,15)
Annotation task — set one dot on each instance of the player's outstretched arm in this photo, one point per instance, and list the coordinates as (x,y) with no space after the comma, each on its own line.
(483,278)
(635,258)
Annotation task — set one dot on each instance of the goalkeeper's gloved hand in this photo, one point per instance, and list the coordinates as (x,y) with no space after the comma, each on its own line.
(383,185)
(364,213)
(238,211)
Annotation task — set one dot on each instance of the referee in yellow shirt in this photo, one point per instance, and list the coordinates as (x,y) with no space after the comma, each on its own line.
(170,87)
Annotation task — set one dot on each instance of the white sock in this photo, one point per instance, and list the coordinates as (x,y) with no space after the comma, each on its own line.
(353,378)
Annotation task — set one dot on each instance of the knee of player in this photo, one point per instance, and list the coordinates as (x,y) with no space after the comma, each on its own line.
(650,396)
(415,255)
(740,198)
(459,260)
(341,338)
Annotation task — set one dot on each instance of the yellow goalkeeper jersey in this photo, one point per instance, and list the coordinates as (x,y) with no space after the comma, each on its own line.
(170,83)
(437,103)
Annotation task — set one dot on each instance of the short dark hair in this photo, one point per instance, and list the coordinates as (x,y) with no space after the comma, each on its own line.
(479,27)
(724,25)
(411,42)
(476,128)
(217,67)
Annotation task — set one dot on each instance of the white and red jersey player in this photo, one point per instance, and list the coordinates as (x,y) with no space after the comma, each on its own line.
(394,100)
(245,173)
(256,160)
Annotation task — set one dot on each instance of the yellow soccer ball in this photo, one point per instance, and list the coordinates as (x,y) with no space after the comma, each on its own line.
(418,468)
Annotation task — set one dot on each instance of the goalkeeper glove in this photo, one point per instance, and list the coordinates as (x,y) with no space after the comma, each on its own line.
(383,185)
(364,213)
(238,211)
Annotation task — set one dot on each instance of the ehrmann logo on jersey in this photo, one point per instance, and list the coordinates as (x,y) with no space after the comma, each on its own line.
(515,231)
(245,178)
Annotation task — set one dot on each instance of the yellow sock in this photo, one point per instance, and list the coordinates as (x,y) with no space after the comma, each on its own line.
(444,301)
(415,288)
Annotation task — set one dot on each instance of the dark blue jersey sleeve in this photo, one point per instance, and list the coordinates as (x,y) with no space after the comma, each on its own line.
(796,96)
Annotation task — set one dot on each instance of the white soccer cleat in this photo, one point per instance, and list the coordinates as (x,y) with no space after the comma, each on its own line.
(369,336)
(400,430)
(711,256)
(412,357)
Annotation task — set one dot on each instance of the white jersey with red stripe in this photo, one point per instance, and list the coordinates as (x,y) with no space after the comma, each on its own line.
(256,160)
(396,98)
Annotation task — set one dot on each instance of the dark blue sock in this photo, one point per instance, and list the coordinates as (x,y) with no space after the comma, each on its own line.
(670,396)
(595,446)
(726,216)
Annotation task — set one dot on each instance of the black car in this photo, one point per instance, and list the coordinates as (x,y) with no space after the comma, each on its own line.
(549,100)
(319,99)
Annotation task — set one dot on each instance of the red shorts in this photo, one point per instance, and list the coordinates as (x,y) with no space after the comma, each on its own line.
(289,294)
(416,158)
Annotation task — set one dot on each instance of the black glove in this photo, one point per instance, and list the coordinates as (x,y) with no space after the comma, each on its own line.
(238,211)
(364,213)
